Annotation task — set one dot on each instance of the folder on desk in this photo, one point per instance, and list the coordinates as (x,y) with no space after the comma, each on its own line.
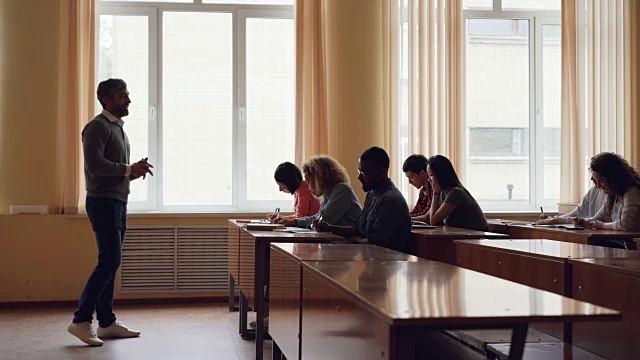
(560,226)
(421,225)
(264,227)
(297,230)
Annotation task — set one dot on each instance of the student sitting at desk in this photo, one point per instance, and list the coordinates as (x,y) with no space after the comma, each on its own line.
(452,204)
(326,177)
(621,183)
(415,168)
(588,207)
(289,180)
(385,220)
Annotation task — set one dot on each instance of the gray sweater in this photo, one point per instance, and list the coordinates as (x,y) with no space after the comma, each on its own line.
(339,207)
(106,156)
(624,212)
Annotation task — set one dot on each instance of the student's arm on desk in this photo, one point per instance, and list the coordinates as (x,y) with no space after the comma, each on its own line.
(440,212)
(337,205)
(598,221)
(344,231)
(424,218)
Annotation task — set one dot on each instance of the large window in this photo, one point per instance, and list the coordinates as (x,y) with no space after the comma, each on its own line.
(212,90)
(512,103)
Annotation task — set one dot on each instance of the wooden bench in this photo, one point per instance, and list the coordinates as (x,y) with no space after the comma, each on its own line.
(479,339)
(542,351)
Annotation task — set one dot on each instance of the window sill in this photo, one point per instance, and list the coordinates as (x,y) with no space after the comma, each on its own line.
(158,214)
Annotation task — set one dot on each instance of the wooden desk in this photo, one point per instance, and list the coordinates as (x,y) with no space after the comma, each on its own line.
(538,263)
(437,244)
(377,310)
(498,226)
(614,283)
(542,264)
(254,273)
(586,236)
(233,258)
(286,284)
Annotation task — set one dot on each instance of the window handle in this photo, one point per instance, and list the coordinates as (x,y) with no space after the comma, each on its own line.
(241,114)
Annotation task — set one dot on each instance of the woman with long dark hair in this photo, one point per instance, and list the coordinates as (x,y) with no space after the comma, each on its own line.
(452,204)
(613,175)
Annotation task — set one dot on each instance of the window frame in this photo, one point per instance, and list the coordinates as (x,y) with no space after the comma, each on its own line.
(154,11)
(536,20)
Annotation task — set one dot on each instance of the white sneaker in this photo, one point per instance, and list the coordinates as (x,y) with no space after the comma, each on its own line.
(254,324)
(84,331)
(117,330)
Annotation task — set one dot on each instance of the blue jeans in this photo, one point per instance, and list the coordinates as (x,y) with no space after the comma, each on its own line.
(108,219)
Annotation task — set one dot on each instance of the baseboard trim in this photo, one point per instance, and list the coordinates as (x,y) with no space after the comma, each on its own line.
(141,301)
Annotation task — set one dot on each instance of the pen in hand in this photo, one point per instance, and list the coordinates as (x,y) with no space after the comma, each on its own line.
(542,213)
(277,212)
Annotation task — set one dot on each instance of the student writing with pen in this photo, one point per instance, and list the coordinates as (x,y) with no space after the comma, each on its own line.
(621,183)
(327,178)
(289,180)
(592,201)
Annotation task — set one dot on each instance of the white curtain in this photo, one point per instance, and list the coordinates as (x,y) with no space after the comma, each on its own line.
(391,68)
(434,48)
(595,87)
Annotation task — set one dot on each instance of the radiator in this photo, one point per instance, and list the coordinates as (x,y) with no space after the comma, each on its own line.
(174,259)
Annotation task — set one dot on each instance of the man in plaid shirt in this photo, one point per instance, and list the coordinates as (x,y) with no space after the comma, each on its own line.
(415,168)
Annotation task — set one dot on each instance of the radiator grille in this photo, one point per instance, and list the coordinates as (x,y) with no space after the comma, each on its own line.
(174,259)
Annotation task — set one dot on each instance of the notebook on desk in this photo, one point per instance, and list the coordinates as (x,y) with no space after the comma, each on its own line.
(421,225)
(264,227)
(560,226)
(297,230)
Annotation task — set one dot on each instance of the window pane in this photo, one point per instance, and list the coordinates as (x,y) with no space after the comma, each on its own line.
(250,2)
(477,4)
(551,84)
(197,112)
(270,103)
(497,109)
(124,54)
(163,1)
(531,5)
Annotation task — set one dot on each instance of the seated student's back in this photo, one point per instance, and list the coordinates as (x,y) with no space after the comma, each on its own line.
(468,214)
(452,203)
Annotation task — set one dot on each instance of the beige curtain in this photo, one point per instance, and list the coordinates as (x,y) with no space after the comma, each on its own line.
(596,96)
(312,126)
(76,97)
(632,68)
(434,39)
(391,68)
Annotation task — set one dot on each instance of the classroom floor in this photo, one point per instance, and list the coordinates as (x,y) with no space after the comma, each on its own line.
(176,331)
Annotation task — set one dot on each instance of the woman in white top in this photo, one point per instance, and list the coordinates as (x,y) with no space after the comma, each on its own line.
(621,183)
(588,207)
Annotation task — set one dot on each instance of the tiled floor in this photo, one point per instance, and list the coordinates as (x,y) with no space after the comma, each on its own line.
(176,331)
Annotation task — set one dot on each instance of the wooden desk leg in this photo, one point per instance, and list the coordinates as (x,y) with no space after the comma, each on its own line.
(244,332)
(276,353)
(403,347)
(518,338)
(261,269)
(232,294)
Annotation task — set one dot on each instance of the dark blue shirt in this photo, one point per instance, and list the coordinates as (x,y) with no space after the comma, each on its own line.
(385,219)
